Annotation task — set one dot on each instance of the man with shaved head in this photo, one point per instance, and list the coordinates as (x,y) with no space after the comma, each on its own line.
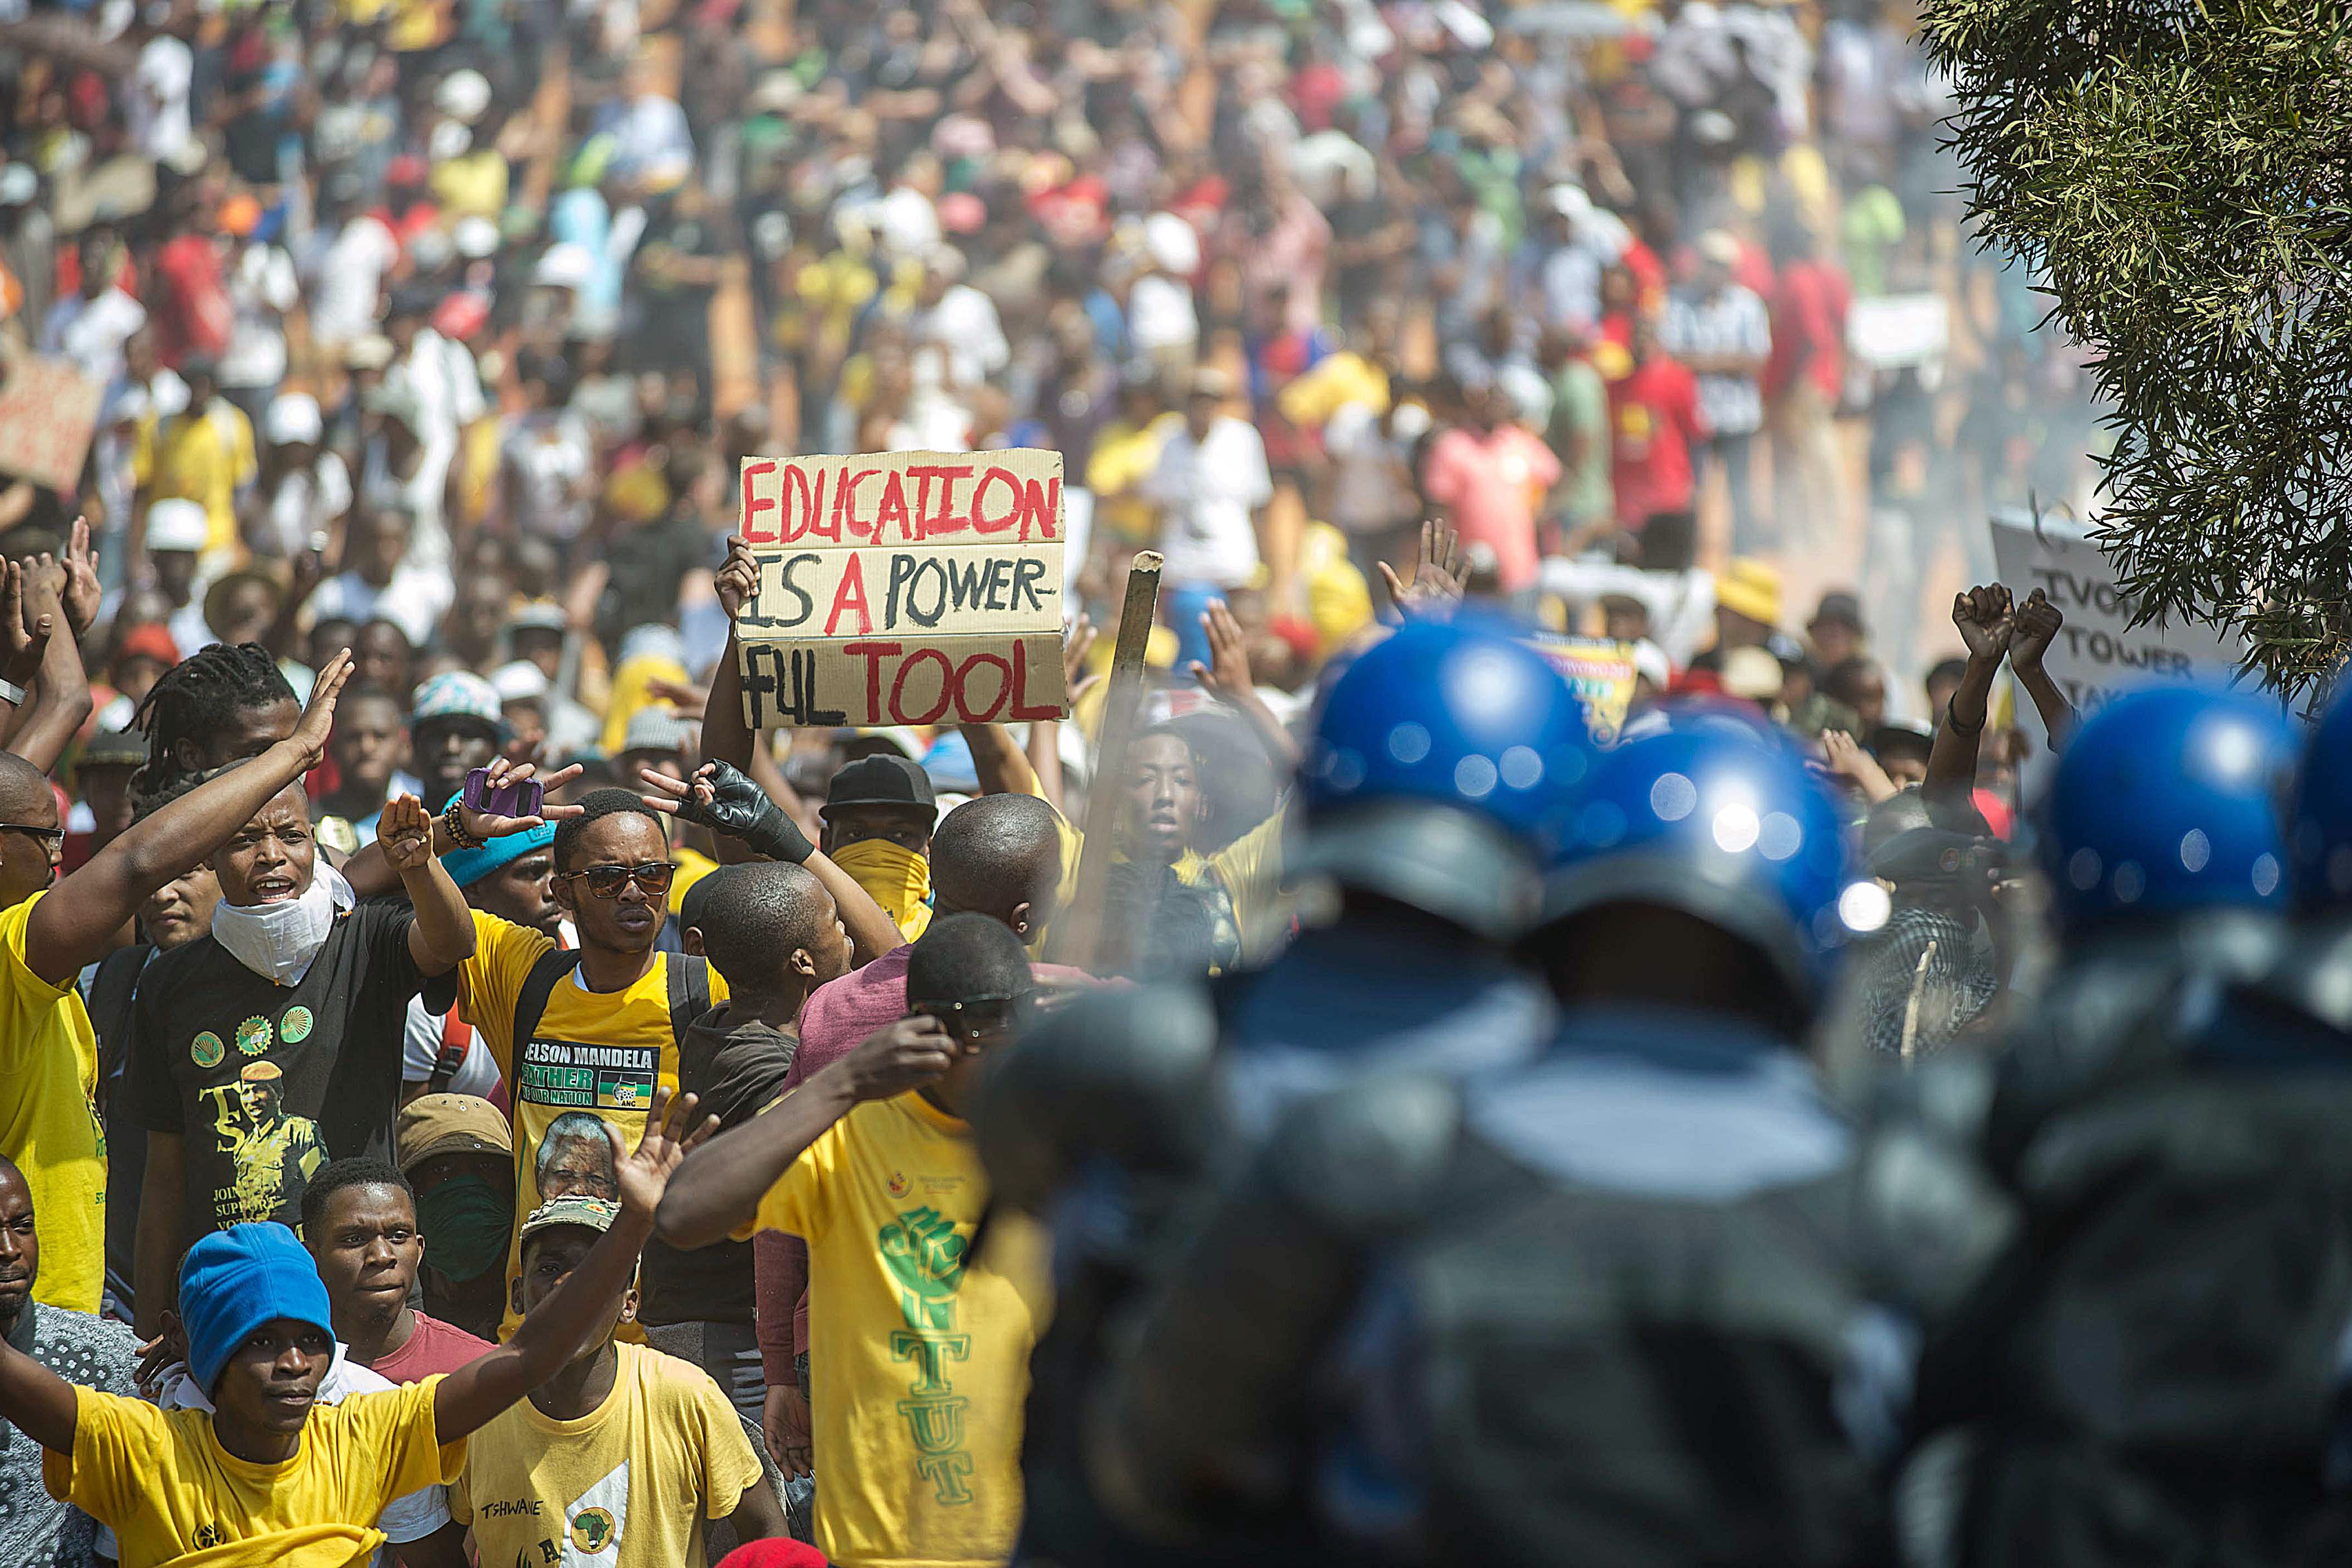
(775,933)
(48,1055)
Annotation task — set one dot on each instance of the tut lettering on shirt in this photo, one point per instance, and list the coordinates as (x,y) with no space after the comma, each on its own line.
(924,1252)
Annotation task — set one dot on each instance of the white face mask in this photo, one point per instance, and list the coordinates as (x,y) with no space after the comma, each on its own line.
(279,941)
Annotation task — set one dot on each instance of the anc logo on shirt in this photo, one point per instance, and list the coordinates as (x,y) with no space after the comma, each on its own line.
(898,1185)
(295,1026)
(253,1036)
(206,1051)
(593,1529)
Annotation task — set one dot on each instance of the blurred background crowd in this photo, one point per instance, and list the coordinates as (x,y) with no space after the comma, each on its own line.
(439,327)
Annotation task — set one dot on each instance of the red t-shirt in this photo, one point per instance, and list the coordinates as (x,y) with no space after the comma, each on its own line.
(1809,307)
(1652,420)
(194,315)
(434,1347)
(1491,484)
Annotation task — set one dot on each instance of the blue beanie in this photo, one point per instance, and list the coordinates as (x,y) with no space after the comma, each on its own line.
(466,867)
(235,1280)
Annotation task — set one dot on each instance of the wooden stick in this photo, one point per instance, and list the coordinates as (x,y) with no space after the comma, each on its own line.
(1078,930)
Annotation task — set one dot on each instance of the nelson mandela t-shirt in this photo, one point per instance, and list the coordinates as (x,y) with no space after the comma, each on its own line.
(267,1082)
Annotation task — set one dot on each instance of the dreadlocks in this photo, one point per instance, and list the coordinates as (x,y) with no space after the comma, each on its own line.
(196,699)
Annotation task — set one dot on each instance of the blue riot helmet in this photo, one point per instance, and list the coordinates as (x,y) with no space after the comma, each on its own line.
(2319,829)
(1438,762)
(1719,820)
(2169,802)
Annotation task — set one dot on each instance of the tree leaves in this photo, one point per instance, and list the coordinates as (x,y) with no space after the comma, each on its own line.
(2180,172)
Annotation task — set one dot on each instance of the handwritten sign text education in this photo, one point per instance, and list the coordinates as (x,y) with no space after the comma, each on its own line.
(903,588)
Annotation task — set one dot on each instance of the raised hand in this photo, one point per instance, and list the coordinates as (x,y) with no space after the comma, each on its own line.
(723,798)
(2037,623)
(1227,672)
(505,771)
(903,1054)
(671,1133)
(405,828)
(1848,761)
(82,594)
(27,637)
(317,721)
(738,579)
(1435,585)
(1076,643)
(1986,619)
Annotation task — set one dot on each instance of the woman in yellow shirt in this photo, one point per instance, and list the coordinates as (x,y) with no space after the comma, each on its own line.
(270,1475)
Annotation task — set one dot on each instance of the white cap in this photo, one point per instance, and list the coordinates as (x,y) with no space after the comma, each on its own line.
(518,682)
(17,184)
(462,95)
(176,524)
(476,237)
(294,420)
(566,264)
(448,139)
(1171,244)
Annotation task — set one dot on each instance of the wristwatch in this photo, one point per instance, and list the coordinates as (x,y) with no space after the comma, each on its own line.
(11,692)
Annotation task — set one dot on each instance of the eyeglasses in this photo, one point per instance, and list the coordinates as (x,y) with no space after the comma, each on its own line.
(50,836)
(972,1017)
(606,881)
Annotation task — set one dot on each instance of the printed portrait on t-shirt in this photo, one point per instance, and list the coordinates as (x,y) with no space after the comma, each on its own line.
(273,1155)
(576,1157)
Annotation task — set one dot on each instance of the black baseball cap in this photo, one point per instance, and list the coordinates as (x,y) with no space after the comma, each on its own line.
(885,778)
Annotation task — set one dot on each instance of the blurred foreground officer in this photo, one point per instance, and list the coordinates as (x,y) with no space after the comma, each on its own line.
(1436,762)
(1624,1305)
(2154,1374)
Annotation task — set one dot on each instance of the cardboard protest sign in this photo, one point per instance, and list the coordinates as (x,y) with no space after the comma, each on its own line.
(903,588)
(2098,652)
(1602,674)
(48,410)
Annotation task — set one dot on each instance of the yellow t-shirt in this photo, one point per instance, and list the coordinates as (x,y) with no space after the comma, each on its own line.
(202,459)
(1124,458)
(173,1495)
(472,184)
(48,1121)
(1248,871)
(1333,382)
(598,1054)
(536,1489)
(924,1373)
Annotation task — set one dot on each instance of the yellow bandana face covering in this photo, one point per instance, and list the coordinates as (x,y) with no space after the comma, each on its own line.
(896,877)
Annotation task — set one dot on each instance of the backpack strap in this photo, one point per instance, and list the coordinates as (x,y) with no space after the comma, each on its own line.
(530,1003)
(689,992)
(456,1038)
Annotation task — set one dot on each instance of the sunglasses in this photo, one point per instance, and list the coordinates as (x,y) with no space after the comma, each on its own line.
(51,836)
(973,1017)
(606,881)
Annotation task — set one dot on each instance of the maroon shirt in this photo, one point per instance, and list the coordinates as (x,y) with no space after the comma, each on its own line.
(434,1346)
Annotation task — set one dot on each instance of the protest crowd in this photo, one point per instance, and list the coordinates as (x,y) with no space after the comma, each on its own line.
(1479,926)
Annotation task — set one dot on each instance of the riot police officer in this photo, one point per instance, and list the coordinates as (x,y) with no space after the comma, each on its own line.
(1438,762)
(1632,1302)
(2152,1375)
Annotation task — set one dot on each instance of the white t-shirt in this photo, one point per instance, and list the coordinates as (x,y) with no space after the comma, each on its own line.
(1207,491)
(1160,314)
(1371,488)
(549,455)
(262,289)
(413,600)
(477,1074)
(411,1517)
(92,332)
(158,103)
(964,326)
(351,279)
(308,500)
